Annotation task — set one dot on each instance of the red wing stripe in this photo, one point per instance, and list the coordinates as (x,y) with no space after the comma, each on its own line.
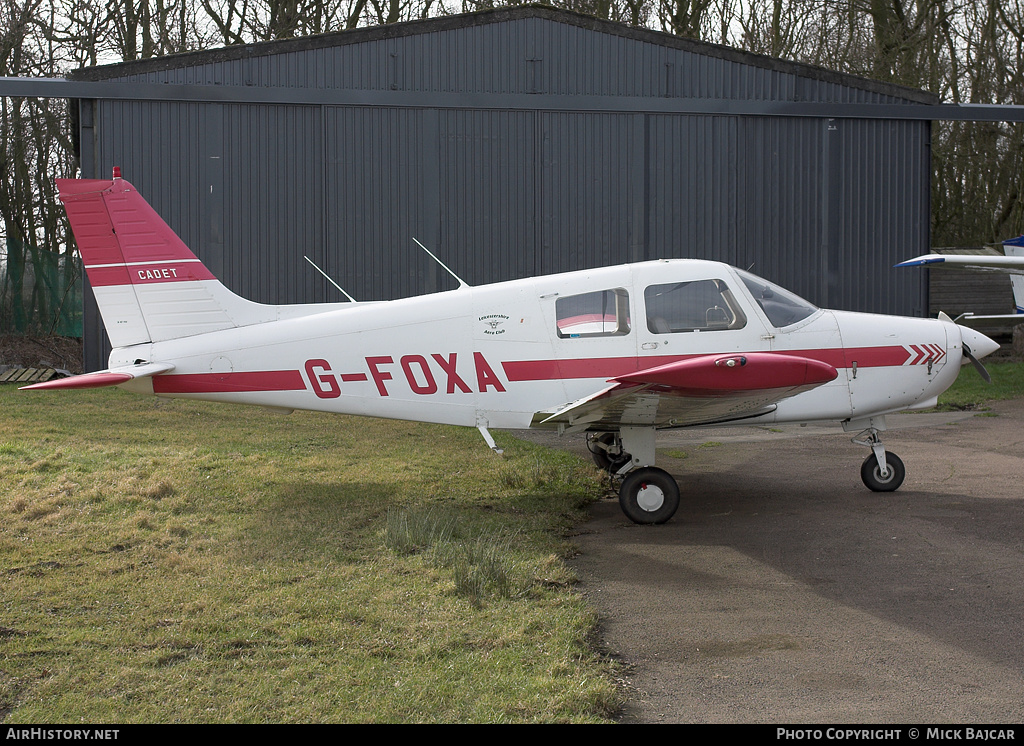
(716,375)
(613,367)
(595,367)
(208,383)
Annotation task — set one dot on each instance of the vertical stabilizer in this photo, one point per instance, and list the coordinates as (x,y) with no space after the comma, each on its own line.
(148,285)
(1015,247)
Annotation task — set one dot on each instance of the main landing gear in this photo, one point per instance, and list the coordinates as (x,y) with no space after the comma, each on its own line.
(647,494)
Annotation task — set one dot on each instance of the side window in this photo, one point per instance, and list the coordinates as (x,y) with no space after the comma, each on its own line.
(603,313)
(701,305)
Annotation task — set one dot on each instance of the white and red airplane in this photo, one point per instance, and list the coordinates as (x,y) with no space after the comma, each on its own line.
(618,352)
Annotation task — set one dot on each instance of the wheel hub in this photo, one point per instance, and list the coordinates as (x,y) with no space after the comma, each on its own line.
(650,497)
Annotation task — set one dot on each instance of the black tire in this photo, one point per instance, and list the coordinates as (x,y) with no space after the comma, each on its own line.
(601,457)
(872,476)
(649,495)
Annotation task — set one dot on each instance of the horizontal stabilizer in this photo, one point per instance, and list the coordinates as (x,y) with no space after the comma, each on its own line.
(103,378)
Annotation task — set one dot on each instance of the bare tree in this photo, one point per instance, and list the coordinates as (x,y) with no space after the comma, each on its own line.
(960,50)
(33,149)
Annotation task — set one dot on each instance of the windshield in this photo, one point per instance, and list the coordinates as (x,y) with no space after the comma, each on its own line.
(780,306)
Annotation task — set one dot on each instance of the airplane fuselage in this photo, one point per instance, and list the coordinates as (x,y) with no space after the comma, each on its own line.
(498,354)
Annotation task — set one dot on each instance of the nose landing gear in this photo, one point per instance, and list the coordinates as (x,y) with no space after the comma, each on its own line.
(881,471)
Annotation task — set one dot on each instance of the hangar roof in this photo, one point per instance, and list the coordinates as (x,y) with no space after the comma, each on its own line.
(247,64)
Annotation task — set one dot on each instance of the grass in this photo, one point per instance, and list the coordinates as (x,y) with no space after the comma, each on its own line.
(174,561)
(970,391)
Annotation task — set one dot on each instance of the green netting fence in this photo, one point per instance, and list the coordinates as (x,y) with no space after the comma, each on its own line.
(40,291)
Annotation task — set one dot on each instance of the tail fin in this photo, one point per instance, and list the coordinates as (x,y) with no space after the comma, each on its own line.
(148,285)
(1015,247)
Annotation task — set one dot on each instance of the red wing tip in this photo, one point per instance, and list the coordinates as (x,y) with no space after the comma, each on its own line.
(86,381)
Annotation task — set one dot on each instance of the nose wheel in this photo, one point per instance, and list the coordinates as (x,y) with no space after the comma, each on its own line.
(881,471)
(878,480)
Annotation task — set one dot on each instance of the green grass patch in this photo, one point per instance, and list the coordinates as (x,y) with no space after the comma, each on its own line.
(176,561)
(970,391)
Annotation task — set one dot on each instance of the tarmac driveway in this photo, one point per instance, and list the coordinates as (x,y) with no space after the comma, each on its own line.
(784,591)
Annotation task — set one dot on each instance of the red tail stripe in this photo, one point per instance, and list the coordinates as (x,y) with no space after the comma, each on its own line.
(207,383)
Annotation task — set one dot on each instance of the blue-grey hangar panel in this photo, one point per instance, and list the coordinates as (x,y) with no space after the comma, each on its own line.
(516,142)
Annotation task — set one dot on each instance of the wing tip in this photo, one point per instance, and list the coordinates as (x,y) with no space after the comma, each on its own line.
(921,261)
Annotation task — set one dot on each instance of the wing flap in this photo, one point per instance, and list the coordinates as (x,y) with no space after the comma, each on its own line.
(103,378)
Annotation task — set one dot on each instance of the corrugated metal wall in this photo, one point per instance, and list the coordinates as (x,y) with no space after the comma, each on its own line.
(824,207)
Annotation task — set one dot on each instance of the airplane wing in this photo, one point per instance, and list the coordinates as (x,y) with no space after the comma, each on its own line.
(700,390)
(1012,264)
(101,378)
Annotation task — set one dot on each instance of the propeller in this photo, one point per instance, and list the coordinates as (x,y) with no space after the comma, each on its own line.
(977,364)
(973,341)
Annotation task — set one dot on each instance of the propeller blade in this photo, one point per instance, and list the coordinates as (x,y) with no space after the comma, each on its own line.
(972,341)
(977,364)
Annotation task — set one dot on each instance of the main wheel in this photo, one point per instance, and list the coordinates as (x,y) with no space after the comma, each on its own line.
(601,457)
(649,495)
(874,479)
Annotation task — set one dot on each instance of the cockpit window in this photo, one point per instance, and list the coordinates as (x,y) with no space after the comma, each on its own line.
(603,313)
(699,305)
(780,306)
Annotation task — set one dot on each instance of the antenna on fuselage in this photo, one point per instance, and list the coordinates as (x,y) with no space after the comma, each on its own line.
(462,283)
(329,279)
